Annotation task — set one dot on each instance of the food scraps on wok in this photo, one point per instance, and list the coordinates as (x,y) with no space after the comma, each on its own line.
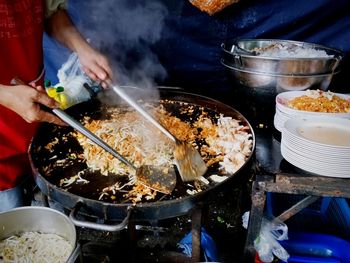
(223,142)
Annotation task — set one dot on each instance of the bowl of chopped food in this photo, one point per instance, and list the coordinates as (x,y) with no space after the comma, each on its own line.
(37,234)
(310,103)
(314,102)
(281,64)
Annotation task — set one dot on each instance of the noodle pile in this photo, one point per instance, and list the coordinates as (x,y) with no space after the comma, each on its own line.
(129,135)
(220,140)
(226,141)
(35,247)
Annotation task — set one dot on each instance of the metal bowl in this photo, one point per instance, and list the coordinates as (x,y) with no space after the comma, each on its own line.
(278,82)
(240,55)
(280,73)
(39,219)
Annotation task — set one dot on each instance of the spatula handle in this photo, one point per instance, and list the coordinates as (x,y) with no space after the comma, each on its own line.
(79,127)
(144,113)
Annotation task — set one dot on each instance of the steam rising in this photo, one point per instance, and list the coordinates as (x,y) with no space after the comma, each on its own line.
(125,31)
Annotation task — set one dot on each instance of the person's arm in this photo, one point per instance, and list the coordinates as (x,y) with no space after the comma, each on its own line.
(60,26)
(27,103)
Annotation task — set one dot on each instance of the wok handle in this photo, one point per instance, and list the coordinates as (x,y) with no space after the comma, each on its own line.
(97,226)
(76,252)
(79,127)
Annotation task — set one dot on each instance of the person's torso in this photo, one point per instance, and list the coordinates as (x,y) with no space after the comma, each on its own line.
(21,30)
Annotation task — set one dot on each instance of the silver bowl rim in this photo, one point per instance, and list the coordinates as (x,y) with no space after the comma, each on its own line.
(338,54)
(35,208)
(74,253)
(279,75)
(43,208)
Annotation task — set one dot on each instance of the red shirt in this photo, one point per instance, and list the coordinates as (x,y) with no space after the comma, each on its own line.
(21,55)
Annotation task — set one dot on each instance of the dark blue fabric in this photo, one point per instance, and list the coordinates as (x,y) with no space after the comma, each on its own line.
(207,244)
(189,44)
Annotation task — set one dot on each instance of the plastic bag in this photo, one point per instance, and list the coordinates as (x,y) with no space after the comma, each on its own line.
(207,244)
(266,244)
(70,89)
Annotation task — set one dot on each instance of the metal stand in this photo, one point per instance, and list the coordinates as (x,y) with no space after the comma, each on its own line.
(196,234)
(132,241)
(45,200)
(312,186)
(177,257)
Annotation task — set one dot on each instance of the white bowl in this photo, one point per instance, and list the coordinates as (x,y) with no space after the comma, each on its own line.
(283,98)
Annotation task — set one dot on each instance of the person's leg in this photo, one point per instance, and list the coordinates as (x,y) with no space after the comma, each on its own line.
(11,198)
(20,195)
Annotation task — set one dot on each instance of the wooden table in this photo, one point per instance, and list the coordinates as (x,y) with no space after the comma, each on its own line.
(271,177)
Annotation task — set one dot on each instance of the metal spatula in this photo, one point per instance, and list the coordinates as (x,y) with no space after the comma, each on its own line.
(188,160)
(161,179)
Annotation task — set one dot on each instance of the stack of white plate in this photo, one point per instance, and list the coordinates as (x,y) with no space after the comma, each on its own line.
(284,112)
(319,145)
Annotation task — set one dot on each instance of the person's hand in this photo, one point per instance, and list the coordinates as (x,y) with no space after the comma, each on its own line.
(27,101)
(95,65)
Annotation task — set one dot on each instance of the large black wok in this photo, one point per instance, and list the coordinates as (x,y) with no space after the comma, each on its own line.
(83,199)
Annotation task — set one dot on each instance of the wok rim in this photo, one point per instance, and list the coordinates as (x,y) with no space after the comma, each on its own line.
(50,187)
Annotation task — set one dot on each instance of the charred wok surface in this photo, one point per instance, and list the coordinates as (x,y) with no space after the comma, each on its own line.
(57,155)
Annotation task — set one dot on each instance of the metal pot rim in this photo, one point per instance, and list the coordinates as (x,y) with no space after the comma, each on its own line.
(223,62)
(37,209)
(338,54)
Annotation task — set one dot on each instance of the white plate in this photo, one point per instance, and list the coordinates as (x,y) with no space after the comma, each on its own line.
(279,120)
(308,166)
(322,131)
(314,169)
(321,160)
(283,98)
(315,153)
(319,145)
(299,142)
(276,122)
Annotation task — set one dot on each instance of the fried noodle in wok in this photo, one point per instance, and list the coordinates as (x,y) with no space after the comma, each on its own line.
(222,141)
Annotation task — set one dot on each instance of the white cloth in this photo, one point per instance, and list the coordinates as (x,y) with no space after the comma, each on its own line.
(53,5)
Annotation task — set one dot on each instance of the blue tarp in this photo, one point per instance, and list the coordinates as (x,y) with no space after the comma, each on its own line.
(186,42)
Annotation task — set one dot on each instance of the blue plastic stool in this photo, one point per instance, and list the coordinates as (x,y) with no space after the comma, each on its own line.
(327,215)
(316,248)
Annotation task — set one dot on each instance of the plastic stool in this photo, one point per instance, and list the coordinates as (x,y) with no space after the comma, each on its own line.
(316,248)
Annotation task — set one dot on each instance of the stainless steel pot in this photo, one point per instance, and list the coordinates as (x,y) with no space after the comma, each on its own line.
(239,55)
(279,82)
(280,73)
(39,219)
